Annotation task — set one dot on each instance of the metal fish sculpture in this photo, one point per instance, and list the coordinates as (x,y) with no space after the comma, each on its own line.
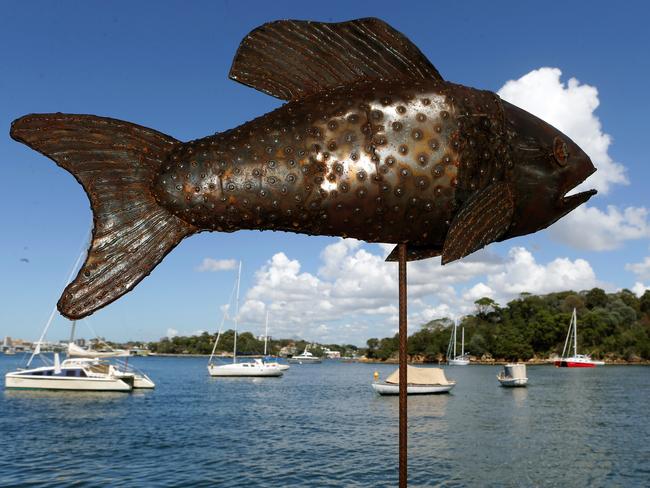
(372,144)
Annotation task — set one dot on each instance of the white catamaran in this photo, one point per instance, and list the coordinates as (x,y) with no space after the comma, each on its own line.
(256,368)
(83,370)
(452,359)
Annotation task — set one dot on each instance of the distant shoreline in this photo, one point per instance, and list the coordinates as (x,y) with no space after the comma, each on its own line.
(538,362)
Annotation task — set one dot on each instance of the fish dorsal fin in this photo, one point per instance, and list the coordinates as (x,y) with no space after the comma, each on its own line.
(290,59)
(484,218)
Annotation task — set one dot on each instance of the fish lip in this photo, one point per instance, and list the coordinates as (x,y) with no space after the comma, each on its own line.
(572,201)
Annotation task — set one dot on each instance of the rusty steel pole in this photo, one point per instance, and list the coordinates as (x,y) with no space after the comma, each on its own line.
(403,381)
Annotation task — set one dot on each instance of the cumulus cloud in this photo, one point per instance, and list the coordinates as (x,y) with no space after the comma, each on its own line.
(570,108)
(639,288)
(354,292)
(589,228)
(521,273)
(479,290)
(642,269)
(209,264)
(171,333)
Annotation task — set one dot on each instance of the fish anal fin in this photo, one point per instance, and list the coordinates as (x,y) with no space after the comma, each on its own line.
(290,59)
(415,253)
(115,162)
(483,219)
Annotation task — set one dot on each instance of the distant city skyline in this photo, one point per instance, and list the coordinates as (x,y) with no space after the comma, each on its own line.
(166,68)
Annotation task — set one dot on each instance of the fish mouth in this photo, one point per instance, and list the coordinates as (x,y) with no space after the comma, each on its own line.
(572,201)
(569,202)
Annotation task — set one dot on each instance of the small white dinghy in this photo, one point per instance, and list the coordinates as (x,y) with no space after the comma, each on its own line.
(421,381)
(513,375)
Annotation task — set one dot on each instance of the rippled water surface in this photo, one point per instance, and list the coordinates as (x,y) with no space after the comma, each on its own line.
(322,425)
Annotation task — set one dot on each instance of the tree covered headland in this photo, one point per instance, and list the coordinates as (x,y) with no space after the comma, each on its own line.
(610,325)
(247,345)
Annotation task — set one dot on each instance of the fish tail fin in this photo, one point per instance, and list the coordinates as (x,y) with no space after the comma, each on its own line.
(116,163)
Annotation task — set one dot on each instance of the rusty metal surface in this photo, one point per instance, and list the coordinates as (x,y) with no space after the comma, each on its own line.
(403,377)
(372,144)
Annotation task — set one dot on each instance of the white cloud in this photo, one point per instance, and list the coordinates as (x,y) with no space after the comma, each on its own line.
(171,333)
(354,292)
(639,288)
(570,108)
(209,264)
(642,269)
(589,228)
(479,290)
(521,273)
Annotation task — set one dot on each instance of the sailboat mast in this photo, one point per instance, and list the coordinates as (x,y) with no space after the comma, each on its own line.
(462,342)
(74,325)
(266,331)
(575,333)
(455,338)
(234,348)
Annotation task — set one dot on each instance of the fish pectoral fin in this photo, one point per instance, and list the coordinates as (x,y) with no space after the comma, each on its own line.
(415,253)
(290,59)
(484,218)
(115,161)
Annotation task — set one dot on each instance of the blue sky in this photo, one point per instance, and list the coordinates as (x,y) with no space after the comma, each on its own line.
(164,65)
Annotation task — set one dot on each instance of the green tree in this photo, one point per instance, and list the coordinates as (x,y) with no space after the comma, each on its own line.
(596,297)
(484,306)
(644,303)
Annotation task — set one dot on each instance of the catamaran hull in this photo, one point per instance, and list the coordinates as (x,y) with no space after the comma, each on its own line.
(143,382)
(228,371)
(389,389)
(64,383)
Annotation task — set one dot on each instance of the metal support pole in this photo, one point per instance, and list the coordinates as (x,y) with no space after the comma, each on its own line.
(403,335)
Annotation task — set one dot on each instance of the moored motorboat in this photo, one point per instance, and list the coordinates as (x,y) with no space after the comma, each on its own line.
(513,375)
(420,381)
(305,358)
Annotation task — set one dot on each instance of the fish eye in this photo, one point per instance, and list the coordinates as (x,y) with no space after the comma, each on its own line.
(560,151)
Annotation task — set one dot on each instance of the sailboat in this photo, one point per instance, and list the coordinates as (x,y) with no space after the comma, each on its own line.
(283,367)
(577,360)
(452,359)
(257,367)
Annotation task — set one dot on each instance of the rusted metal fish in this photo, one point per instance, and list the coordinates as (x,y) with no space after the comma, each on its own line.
(372,144)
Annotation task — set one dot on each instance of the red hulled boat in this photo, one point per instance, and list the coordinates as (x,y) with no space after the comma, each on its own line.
(577,360)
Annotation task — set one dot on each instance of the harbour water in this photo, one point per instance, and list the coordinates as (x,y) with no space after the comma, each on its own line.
(322,425)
